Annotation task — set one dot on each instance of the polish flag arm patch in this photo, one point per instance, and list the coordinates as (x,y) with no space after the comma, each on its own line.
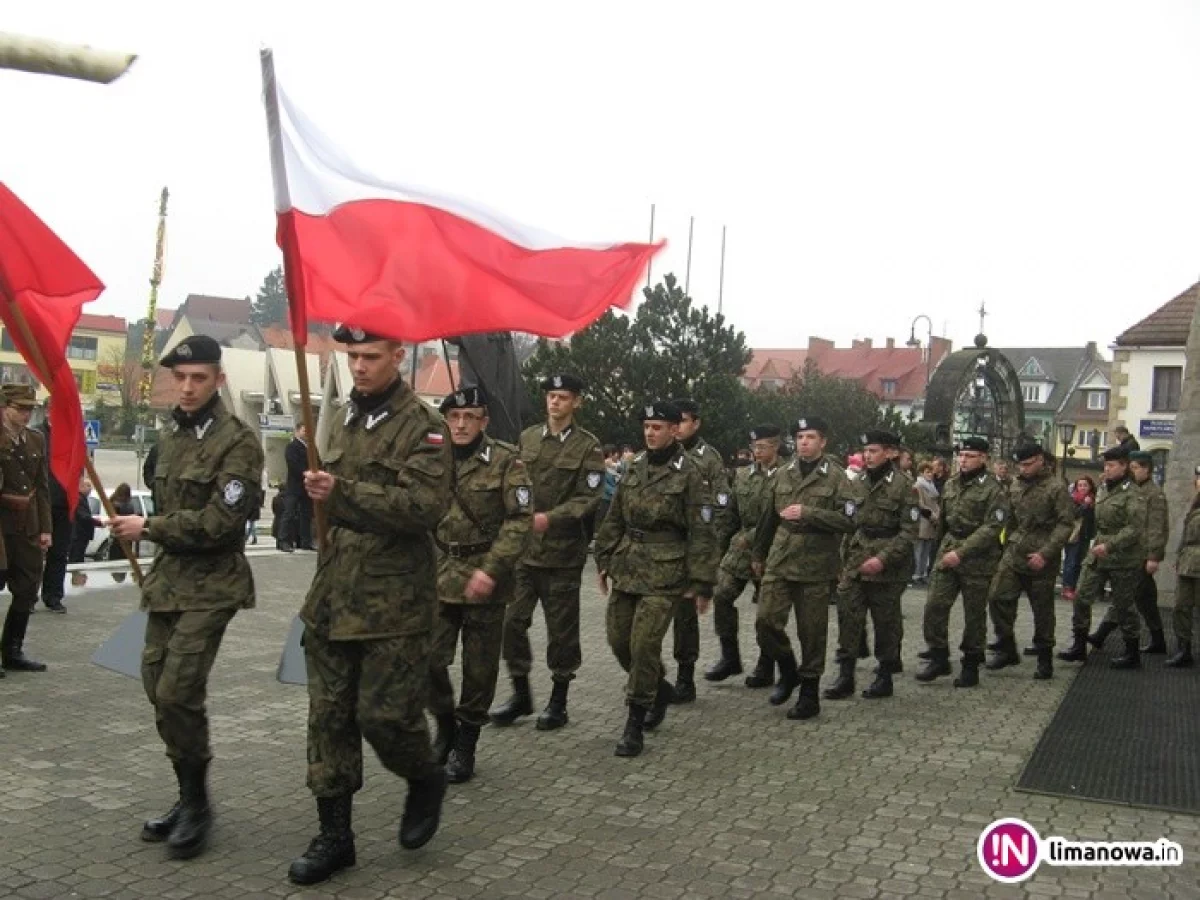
(436,438)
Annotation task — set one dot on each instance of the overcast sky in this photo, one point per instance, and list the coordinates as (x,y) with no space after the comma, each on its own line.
(873,161)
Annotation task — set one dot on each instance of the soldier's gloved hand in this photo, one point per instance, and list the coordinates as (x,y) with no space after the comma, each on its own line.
(480,586)
(872,566)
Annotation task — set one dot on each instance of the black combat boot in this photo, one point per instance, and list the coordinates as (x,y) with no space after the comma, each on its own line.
(1100,635)
(843,687)
(332,849)
(808,704)
(1005,655)
(1045,664)
(1130,659)
(925,654)
(555,714)
(1157,644)
(461,765)
(1078,651)
(728,665)
(1181,659)
(422,809)
(881,686)
(936,666)
(654,717)
(155,831)
(969,676)
(12,640)
(685,684)
(789,680)
(189,837)
(763,674)
(995,645)
(443,739)
(632,740)
(518,705)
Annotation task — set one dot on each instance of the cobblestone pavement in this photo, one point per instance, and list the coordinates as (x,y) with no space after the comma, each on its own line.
(730,799)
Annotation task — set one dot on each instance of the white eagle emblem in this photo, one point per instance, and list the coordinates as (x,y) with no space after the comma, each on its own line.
(649,412)
(234,491)
(593,479)
(183,351)
(358,334)
(557,381)
(802,425)
(460,398)
(722,499)
(999,515)
(849,509)
(522,496)
(706,513)
(914,513)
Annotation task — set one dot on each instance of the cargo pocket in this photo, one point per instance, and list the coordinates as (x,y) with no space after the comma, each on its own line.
(152,658)
(669,565)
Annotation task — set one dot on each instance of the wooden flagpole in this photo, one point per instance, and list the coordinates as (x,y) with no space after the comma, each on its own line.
(310,427)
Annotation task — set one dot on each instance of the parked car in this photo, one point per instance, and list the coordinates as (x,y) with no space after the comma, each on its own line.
(97,549)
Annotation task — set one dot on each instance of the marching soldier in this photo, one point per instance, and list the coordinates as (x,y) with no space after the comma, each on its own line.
(657,545)
(207,481)
(24,519)
(566,466)
(1040,521)
(479,542)
(1187,585)
(1117,558)
(797,549)
(878,564)
(686,626)
(750,497)
(369,614)
(974,511)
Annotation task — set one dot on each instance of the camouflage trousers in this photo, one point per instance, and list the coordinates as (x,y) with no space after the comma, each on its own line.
(1146,601)
(180,650)
(1124,585)
(725,615)
(636,625)
(944,587)
(882,599)
(482,628)
(1005,590)
(24,575)
(1187,594)
(811,602)
(373,689)
(558,590)
(686,630)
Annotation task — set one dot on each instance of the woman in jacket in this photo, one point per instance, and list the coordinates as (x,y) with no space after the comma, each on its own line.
(1083,495)
(1187,585)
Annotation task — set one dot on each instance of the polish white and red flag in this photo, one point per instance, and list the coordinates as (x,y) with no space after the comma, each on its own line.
(416,263)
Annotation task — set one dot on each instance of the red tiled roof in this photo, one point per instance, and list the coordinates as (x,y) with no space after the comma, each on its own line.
(432,377)
(94,322)
(1167,326)
(164,318)
(280,338)
(230,310)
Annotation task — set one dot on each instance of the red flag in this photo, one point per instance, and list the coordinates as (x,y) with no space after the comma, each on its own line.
(413,263)
(41,277)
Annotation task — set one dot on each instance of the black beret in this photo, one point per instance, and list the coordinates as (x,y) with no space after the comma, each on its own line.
(1141,456)
(563,382)
(687,406)
(198,348)
(812,423)
(976,444)
(347,334)
(1027,451)
(1116,453)
(662,411)
(468,395)
(883,438)
(763,432)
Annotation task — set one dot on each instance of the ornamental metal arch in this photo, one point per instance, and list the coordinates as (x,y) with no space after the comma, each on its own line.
(976,392)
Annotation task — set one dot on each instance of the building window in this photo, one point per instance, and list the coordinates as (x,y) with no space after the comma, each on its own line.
(889,387)
(85,381)
(1168,385)
(15,373)
(1081,438)
(6,342)
(1097,400)
(82,347)
(1032,393)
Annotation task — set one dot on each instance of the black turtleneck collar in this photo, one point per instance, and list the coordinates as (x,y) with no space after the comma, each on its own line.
(466,451)
(663,456)
(1113,483)
(965,476)
(880,472)
(368,403)
(691,443)
(807,467)
(200,416)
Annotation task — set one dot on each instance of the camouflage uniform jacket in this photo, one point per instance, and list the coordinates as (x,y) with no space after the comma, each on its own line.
(1158,520)
(809,550)
(886,526)
(712,468)
(1120,526)
(974,512)
(1041,521)
(658,536)
(751,498)
(488,523)
(25,494)
(207,480)
(376,576)
(1188,563)
(567,471)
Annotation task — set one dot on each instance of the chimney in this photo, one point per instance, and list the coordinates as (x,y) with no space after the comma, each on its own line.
(864,344)
(891,343)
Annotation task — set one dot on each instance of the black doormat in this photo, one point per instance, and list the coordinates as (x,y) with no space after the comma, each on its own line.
(1123,737)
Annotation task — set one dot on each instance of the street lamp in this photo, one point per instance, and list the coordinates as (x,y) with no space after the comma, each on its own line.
(914,342)
(1066,430)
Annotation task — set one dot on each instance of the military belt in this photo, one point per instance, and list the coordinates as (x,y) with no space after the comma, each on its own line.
(961,533)
(455,550)
(879,532)
(209,551)
(641,536)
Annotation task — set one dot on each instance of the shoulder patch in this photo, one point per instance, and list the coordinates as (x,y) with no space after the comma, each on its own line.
(1000,515)
(849,508)
(594,479)
(436,438)
(706,513)
(234,492)
(722,499)
(523,496)
(914,513)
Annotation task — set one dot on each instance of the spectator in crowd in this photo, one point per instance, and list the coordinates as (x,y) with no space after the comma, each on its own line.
(83,530)
(122,502)
(927,529)
(296,530)
(612,476)
(1125,440)
(1083,495)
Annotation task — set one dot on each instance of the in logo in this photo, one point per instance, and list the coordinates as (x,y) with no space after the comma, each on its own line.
(1008,850)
